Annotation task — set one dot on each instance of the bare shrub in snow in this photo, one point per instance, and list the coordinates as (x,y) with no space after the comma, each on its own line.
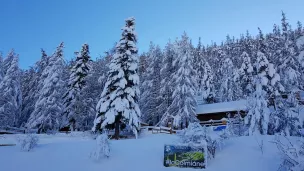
(236,126)
(292,154)
(102,149)
(260,144)
(195,134)
(91,134)
(28,142)
(226,134)
(212,145)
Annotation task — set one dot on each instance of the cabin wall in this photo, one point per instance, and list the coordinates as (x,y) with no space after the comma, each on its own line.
(217,116)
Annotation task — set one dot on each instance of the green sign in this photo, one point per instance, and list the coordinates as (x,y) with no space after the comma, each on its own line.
(184,156)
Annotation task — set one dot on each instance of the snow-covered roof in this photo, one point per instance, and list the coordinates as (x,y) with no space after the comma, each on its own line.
(221,107)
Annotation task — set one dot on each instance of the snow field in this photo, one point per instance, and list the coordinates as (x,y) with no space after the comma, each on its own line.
(64,152)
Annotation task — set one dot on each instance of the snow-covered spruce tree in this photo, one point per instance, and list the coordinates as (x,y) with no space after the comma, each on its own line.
(10,90)
(95,82)
(198,63)
(1,68)
(300,45)
(244,75)
(287,116)
(29,85)
(41,65)
(257,117)
(185,86)
(212,56)
(73,101)
(299,31)
(49,106)
(207,84)
(287,112)
(119,99)
(151,96)
(288,64)
(226,71)
(249,45)
(273,40)
(143,65)
(274,86)
(204,75)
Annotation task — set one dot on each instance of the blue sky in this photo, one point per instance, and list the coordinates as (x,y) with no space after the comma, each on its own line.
(28,25)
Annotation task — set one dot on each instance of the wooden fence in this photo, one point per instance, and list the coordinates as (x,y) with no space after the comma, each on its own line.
(14,130)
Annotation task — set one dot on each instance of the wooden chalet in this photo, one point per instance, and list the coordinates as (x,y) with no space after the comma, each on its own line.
(216,113)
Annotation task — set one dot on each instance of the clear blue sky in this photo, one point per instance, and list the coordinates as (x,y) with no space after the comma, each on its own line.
(28,25)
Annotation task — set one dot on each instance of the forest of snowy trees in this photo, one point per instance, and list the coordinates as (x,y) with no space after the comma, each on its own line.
(54,93)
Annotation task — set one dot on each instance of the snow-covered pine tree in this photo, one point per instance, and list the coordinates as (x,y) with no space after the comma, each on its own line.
(257,117)
(167,84)
(151,96)
(185,87)
(244,75)
(10,90)
(119,99)
(48,107)
(73,101)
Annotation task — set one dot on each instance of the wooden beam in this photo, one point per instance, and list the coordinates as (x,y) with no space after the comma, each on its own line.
(1,145)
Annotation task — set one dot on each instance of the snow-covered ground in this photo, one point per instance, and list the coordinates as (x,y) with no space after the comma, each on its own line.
(64,152)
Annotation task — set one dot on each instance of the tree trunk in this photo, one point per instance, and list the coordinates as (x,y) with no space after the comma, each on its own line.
(116,135)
